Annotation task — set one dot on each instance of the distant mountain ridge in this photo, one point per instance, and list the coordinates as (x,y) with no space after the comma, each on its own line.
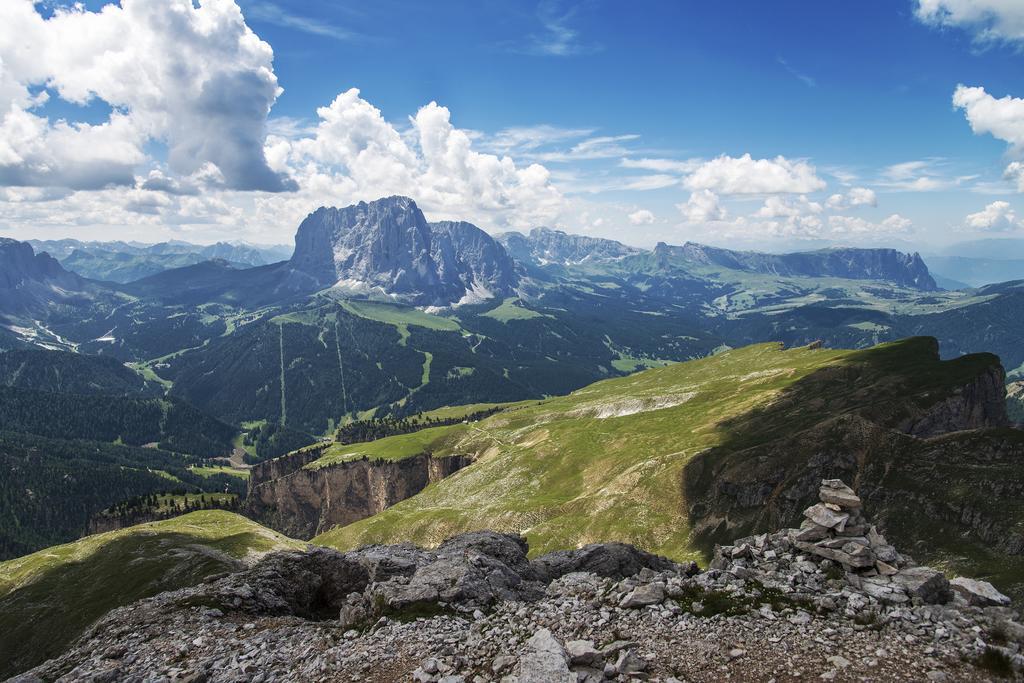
(907,270)
(544,246)
(123,262)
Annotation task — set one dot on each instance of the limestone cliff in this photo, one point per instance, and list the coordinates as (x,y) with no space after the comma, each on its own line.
(305,502)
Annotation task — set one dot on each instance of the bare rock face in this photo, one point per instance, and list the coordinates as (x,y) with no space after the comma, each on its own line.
(977,405)
(305,502)
(387,245)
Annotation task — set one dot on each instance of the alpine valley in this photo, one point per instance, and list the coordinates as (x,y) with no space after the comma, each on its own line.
(206,452)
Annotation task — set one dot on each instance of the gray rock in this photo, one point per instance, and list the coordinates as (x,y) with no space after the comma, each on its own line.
(837,493)
(583,653)
(826,517)
(544,660)
(978,593)
(924,583)
(629,663)
(610,560)
(643,595)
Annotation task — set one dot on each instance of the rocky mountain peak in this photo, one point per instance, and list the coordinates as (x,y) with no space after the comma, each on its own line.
(388,246)
(19,263)
(545,246)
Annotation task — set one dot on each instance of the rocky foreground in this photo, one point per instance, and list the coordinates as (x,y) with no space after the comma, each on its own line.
(830,601)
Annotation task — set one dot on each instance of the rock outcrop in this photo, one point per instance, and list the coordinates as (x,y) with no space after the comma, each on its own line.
(979,404)
(30,282)
(387,246)
(477,609)
(302,502)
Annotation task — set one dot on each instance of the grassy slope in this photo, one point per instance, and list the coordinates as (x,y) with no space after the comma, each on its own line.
(49,597)
(607,462)
(563,476)
(510,310)
(398,315)
(435,439)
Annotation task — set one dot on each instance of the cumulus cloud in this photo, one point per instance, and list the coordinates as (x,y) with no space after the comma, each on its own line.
(786,207)
(195,78)
(1002,118)
(857,196)
(745,175)
(641,217)
(987,20)
(996,217)
(852,225)
(355,153)
(702,207)
(1015,173)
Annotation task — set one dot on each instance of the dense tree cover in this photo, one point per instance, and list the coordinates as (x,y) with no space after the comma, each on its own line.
(361,431)
(142,330)
(72,373)
(49,488)
(172,424)
(271,440)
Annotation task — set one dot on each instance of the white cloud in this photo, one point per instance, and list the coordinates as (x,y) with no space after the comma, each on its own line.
(663,165)
(641,217)
(263,10)
(655,181)
(857,196)
(779,207)
(1015,173)
(558,37)
(921,175)
(195,78)
(702,207)
(745,175)
(987,20)
(356,154)
(524,140)
(996,217)
(852,225)
(1002,118)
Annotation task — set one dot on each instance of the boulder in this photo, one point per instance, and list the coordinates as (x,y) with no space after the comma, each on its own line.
(544,660)
(979,593)
(643,595)
(924,583)
(610,560)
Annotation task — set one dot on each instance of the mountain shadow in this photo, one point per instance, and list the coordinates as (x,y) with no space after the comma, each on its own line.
(924,442)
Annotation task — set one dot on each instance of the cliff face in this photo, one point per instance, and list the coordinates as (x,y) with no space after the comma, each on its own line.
(906,270)
(940,468)
(976,405)
(388,245)
(304,502)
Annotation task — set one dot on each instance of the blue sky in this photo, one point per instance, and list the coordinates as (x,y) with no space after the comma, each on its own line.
(608,113)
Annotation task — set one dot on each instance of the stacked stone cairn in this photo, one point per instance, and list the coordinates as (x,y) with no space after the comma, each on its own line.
(836,540)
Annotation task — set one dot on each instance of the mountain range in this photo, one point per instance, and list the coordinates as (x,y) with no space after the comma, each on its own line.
(379,311)
(124,262)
